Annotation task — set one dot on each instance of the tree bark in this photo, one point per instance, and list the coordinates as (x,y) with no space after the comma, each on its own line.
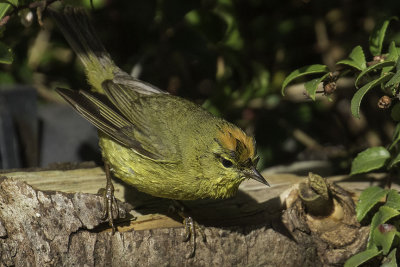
(259,227)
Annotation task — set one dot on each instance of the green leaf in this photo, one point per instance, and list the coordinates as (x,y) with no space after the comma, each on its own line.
(368,199)
(5,6)
(393,200)
(395,114)
(378,35)
(370,159)
(362,257)
(312,86)
(396,136)
(392,56)
(384,214)
(375,67)
(6,56)
(398,60)
(383,236)
(356,59)
(395,79)
(393,83)
(394,161)
(358,96)
(3,9)
(350,63)
(303,71)
(390,260)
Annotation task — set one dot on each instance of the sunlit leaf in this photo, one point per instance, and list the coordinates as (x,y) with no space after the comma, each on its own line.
(393,199)
(370,159)
(362,257)
(306,70)
(390,259)
(368,199)
(350,63)
(384,238)
(384,214)
(358,96)
(312,86)
(356,59)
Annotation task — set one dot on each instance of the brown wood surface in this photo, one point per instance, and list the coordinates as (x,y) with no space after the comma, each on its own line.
(54,217)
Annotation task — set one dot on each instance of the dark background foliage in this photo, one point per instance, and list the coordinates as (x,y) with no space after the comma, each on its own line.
(229,56)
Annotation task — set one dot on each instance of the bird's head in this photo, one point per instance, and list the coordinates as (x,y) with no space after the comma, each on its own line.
(231,159)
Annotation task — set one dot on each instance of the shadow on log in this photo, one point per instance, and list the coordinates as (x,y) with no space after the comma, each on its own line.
(52,228)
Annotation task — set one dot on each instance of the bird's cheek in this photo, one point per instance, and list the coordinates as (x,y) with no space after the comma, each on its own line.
(236,176)
(219,180)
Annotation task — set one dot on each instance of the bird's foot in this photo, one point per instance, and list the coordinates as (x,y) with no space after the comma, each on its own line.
(111,209)
(191,228)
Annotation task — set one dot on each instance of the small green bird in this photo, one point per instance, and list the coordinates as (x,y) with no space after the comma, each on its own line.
(161,144)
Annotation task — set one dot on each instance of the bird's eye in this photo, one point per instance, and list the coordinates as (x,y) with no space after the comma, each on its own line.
(227,163)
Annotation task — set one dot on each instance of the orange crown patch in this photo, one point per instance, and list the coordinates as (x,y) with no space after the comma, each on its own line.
(234,139)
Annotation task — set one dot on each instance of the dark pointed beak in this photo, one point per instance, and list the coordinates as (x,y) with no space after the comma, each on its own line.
(254,174)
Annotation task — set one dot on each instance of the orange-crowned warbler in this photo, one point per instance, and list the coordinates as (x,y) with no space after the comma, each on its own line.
(161,144)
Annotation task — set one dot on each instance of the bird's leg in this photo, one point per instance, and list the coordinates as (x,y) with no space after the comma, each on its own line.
(191,226)
(110,202)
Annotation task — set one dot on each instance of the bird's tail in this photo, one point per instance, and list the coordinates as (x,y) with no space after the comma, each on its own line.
(78,30)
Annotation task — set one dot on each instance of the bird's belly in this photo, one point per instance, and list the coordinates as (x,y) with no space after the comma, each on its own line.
(157,179)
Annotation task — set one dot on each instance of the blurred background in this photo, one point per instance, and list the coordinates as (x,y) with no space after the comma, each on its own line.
(229,56)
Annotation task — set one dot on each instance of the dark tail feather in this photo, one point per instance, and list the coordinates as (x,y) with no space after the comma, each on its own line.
(79,32)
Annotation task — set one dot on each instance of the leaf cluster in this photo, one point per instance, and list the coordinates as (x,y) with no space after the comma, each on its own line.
(6,55)
(384,234)
(382,72)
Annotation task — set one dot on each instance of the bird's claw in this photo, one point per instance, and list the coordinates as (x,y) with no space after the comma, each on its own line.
(191,226)
(111,209)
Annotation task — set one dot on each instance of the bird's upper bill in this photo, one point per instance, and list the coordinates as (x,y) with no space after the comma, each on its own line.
(252,173)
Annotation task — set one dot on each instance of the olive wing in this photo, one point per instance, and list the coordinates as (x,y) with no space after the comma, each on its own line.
(112,121)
